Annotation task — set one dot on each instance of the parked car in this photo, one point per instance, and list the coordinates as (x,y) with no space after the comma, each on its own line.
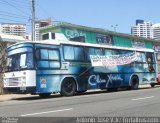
(158,81)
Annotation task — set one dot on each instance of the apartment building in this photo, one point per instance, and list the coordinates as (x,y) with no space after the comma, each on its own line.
(155,29)
(39,24)
(13,29)
(142,29)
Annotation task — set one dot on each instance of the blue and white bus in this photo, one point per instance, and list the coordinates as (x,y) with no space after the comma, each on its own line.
(65,67)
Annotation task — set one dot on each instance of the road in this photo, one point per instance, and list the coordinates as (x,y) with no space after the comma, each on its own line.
(136,103)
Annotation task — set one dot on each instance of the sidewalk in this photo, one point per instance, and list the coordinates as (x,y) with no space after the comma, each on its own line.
(6,97)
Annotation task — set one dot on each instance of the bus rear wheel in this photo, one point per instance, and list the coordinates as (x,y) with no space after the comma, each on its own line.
(134,83)
(68,87)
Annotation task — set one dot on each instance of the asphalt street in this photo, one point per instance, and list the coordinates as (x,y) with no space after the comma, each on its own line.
(135,103)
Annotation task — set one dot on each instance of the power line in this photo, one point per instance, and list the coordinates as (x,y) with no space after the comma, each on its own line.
(20,4)
(14,14)
(42,9)
(7,3)
(20,1)
(12,20)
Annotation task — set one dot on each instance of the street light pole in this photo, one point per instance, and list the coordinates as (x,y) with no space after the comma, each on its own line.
(33,20)
(114,27)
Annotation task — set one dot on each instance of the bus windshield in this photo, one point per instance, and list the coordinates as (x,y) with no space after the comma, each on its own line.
(20,60)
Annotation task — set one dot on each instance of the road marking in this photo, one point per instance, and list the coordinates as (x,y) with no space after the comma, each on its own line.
(143,98)
(47,112)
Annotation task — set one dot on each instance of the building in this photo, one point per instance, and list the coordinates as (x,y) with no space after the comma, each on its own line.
(13,29)
(142,29)
(95,35)
(146,29)
(39,24)
(156,31)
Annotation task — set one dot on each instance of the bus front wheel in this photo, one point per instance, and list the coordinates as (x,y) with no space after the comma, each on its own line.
(134,83)
(68,87)
(152,85)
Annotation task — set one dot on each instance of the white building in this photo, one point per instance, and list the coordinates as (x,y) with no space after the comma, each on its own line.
(13,29)
(142,29)
(11,38)
(156,31)
(39,24)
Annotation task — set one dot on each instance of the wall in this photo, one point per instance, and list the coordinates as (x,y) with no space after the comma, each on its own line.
(71,33)
(95,36)
(122,41)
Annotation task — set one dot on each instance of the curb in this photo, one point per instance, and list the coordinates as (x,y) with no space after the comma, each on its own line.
(7,97)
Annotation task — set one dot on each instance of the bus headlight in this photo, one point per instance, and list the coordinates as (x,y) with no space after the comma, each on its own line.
(5,82)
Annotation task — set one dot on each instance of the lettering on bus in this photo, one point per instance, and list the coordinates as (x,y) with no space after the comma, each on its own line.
(95,79)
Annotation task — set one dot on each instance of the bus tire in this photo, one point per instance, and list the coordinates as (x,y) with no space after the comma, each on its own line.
(68,87)
(134,83)
(152,85)
(44,95)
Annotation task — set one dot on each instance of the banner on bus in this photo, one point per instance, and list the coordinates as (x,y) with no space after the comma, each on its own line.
(110,60)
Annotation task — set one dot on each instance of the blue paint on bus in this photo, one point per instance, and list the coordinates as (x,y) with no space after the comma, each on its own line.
(54,63)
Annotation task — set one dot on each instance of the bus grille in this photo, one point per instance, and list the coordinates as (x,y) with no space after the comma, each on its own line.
(14,81)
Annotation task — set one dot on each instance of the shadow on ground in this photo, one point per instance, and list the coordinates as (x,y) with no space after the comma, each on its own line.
(37,97)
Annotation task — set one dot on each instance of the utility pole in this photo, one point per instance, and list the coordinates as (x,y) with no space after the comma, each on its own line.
(33,20)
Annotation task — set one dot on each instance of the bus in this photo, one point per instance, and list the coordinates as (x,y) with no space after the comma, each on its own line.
(68,67)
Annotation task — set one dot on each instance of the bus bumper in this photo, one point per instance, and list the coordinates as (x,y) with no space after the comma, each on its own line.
(20,90)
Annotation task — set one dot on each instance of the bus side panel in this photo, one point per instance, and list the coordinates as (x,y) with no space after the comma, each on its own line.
(105,77)
(48,83)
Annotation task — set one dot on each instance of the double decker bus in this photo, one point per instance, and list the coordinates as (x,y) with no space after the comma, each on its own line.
(50,66)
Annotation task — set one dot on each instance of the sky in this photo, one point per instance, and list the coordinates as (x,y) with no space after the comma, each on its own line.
(106,14)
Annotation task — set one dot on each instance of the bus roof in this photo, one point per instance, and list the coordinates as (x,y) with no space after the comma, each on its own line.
(58,42)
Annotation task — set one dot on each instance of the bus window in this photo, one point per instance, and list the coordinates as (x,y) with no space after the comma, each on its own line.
(89,51)
(79,53)
(158,56)
(150,57)
(53,54)
(125,52)
(45,36)
(141,57)
(107,52)
(150,60)
(68,52)
(98,51)
(111,52)
(44,54)
(92,51)
(49,59)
